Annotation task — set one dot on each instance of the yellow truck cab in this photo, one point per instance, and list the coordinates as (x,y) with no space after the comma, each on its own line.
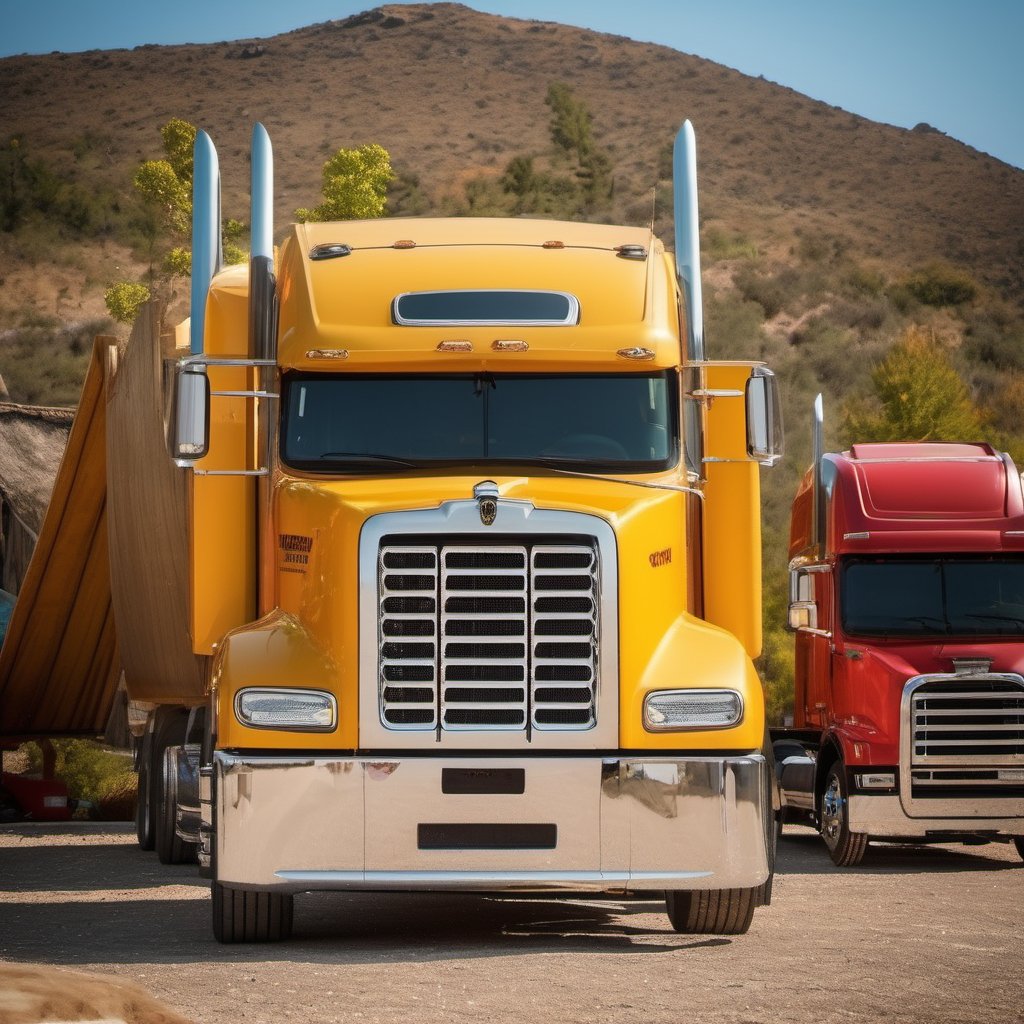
(474,541)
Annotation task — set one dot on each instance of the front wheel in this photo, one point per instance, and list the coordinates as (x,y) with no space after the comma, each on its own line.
(846,848)
(243,916)
(711,911)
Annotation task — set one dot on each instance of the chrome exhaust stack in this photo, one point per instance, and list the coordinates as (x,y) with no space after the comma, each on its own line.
(687,238)
(207,249)
(262,283)
(818,490)
(191,438)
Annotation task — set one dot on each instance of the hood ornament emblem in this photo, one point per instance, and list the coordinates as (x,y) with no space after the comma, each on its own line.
(486,494)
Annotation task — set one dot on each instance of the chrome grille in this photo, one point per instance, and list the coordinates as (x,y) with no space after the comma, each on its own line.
(407,638)
(564,636)
(488,637)
(967,738)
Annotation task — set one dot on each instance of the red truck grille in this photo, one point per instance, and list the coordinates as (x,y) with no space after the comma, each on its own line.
(967,738)
(488,637)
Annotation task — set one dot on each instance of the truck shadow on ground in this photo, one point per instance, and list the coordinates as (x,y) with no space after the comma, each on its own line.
(340,928)
(802,852)
(86,895)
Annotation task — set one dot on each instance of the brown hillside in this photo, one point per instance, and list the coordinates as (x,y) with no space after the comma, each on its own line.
(452,92)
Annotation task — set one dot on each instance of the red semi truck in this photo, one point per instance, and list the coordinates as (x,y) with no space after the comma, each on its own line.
(907,600)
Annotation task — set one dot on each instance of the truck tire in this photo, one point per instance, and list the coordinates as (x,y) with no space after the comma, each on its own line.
(1019,843)
(243,916)
(712,911)
(170,847)
(167,727)
(144,830)
(846,848)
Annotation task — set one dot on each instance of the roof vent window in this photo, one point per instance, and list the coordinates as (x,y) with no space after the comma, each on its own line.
(486,308)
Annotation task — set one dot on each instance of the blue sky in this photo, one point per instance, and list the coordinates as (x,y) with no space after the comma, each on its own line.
(956,64)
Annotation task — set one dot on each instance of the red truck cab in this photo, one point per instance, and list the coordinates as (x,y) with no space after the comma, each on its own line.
(907,600)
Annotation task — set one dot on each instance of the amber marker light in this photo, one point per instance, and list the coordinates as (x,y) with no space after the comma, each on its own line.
(404,243)
(509,345)
(454,346)
(553,244)
(635,353)
(327,353)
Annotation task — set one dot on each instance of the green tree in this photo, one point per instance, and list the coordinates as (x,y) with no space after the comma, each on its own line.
(165,187)
(571,121)
(167,183)
(355,185)
(572,132)
(919,397)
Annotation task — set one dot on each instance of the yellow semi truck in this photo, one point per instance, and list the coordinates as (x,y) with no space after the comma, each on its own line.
(473,576)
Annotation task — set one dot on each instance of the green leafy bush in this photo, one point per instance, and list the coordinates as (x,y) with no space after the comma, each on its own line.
(355,185)
(937,284)
(125,299)
(93,773)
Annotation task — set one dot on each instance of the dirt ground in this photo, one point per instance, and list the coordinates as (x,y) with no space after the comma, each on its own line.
(914,935)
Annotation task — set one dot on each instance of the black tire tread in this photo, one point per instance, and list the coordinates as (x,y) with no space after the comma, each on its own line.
(243,916)
(712,911)
(144,830)
(1019,843)
(850,850)
(170,847)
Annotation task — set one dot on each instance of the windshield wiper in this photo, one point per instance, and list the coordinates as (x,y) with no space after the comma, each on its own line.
(995,617)
(927,620)
(368,457)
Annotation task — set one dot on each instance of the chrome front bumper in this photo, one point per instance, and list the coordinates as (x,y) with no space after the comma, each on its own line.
(602,824)
(883,815)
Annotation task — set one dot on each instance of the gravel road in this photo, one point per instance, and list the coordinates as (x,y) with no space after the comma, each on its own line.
(917,934)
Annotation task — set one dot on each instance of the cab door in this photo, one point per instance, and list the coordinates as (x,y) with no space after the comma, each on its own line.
(810,617)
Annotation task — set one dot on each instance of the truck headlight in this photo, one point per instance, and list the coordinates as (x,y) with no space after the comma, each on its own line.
(264,707)
(692,709)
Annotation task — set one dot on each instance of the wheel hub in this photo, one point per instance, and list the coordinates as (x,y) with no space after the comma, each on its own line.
(832,812)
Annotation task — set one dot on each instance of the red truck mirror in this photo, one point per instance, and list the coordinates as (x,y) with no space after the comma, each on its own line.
(191,414)
(803,615)
(803,609)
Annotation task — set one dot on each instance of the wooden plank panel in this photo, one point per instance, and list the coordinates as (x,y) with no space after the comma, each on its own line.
(108,585)
(147,509)
(56,642)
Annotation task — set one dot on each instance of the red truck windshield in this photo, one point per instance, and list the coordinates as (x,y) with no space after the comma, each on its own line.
(617,422)
(954,596)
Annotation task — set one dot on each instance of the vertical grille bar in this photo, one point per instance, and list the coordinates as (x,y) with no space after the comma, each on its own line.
(563,629)
(483,637)
(407,636)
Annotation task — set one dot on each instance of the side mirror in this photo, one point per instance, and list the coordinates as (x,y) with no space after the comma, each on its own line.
(191,414)
(803,609)
(764,417)
(803,615)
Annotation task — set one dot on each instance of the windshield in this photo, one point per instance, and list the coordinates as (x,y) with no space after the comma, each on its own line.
(952,596)
(617,422)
